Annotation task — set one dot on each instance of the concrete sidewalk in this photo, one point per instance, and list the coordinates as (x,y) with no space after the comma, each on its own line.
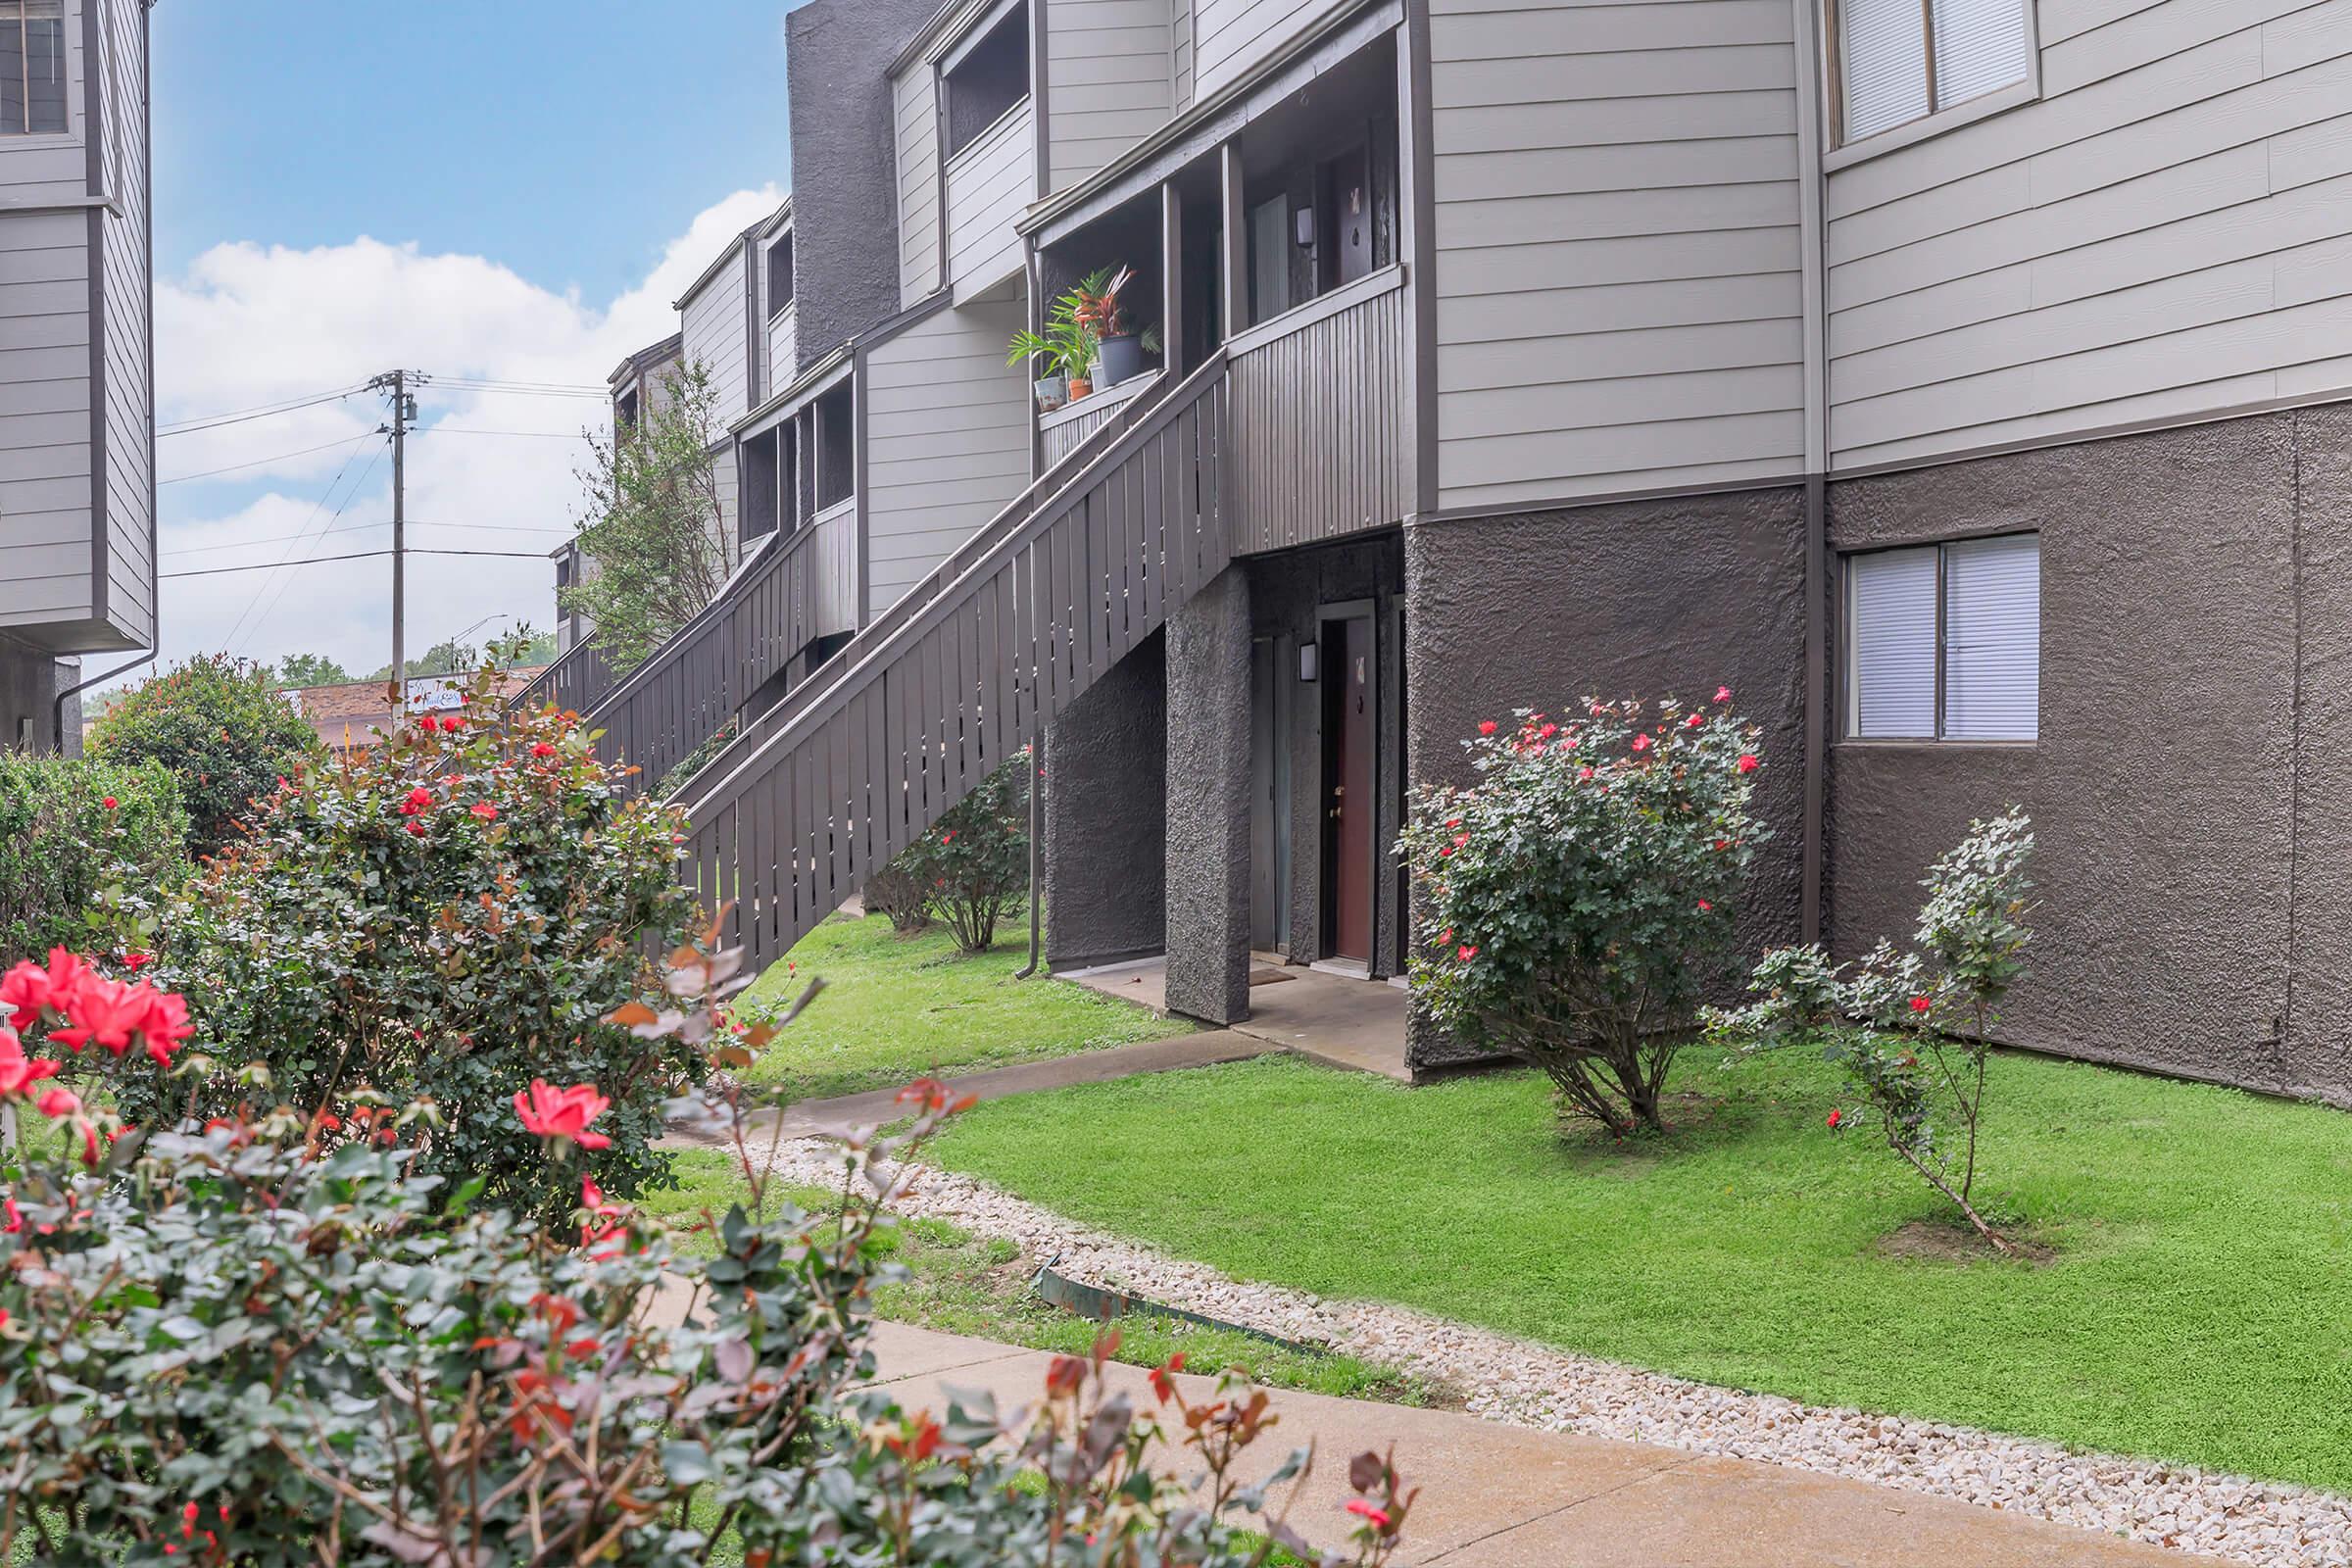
(1340,1020)
(1502,1496)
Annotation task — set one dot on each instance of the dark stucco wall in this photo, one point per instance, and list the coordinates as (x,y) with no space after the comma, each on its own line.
(844,208)
(1208,801)
(2178,926)
(28,685)
(1650,599)
(1288,595)
(1106,822)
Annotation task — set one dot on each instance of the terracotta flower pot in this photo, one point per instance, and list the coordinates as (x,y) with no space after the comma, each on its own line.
(1080,387)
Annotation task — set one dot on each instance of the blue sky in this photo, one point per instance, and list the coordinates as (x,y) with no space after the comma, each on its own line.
(511,190)
(564,140)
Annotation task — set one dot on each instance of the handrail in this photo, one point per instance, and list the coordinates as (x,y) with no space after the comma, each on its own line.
(1047,487)
(1322,308)
(756,565)
(582,658)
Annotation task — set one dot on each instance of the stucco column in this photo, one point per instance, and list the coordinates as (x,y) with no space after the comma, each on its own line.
(1209,802)
(1106,761)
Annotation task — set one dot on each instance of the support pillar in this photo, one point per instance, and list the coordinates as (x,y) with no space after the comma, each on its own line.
(1105,818)
(1209,802)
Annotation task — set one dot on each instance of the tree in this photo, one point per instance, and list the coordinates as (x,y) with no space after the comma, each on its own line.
(653,523)
(448,656)
(310,670)
(218,726)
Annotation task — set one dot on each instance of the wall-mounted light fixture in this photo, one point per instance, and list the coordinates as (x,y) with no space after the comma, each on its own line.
(1304,221)
(1306,661)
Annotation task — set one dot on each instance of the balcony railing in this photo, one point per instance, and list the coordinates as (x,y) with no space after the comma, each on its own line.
(989,182)
(1322,428)
(1067,428)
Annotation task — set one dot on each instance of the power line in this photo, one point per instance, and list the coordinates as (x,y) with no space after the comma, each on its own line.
(214,422)
(357,555)
(258,463)
(275,539)
(315,508)
(277,588)
(468,429)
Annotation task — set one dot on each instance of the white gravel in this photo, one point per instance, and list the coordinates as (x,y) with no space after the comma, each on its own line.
(1529,1385)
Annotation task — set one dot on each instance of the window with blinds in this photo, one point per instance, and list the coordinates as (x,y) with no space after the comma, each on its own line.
(1901,59)
(1943,642)
(33,67)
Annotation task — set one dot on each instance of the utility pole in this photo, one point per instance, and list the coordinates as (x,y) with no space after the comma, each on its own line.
(403,413)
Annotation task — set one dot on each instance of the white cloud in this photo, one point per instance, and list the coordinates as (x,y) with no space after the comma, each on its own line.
(249,326)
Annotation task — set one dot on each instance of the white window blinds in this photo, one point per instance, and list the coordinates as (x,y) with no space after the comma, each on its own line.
(1893,616)
(1992,639)
(1901,59)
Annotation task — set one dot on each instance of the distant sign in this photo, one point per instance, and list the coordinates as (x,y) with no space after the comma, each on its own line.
(435,694)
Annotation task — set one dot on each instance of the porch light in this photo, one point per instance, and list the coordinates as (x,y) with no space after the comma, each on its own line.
(1306,661)
(1304,219)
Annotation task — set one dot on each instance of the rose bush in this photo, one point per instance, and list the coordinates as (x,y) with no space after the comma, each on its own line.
(84,848)
(219,726)
(1913,1031)
(1579,895)
(443,918)
(268,1340)
(973,865)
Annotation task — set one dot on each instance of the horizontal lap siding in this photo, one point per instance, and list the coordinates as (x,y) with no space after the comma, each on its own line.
(783,347)
(1229,36)
(129,389)
(1180,32)
(1618,261)
(1108,75)
(717,335)
(917,122)
(989,184)
(2165,233)
(946,440)
(55,168)
(45,418)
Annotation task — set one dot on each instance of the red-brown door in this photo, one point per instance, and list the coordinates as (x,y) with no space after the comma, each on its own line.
(1350,717)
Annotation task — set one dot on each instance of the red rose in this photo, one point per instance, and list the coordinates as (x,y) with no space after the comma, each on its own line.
(1722,694)
(485,810)
(1747,763)
(1836,1118)
(1641,742)
(108,802)
(1486,726)
(543,749)
(427,724)
(550,1112)
(1921,1003)
(1465,953)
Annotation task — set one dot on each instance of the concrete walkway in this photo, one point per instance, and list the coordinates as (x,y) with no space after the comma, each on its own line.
(1501,1496)
(1341,1020)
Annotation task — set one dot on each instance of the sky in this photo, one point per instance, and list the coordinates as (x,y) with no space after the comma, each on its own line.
(513,191)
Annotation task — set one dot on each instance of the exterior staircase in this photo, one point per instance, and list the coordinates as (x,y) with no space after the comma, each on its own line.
(861,758)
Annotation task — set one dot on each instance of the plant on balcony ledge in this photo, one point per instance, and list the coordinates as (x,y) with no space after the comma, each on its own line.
(1099,311)
(1063,352)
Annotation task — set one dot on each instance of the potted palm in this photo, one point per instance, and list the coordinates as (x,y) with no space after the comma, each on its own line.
(1062,355)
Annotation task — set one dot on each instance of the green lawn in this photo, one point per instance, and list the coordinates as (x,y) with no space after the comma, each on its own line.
(966,1284)
(2195,1310)
(897,1008)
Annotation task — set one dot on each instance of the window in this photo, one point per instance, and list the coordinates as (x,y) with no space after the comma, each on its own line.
(1901,60)
(779,273)
(1946,641)
(33,67)
(988,78)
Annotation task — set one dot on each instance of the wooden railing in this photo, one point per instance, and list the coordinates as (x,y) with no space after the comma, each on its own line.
(1067,428)
(1323,433)
(576,682)
(1053,597)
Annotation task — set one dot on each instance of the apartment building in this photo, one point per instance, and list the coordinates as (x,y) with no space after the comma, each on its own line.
(77,362)
(1962,382)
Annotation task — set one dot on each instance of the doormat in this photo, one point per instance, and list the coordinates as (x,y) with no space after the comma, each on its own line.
(1097,1305)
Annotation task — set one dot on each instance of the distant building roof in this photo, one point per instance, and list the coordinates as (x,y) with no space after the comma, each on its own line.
(353,715)
(645,358)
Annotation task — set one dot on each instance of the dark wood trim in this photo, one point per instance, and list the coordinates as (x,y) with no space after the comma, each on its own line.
(1322,308)
(1212,121)
(1172,277)
(965,36)
(1041,64)
(1416,216)
(1236,240)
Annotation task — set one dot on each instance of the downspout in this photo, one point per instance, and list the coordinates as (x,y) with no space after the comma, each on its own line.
(1818,608)
(1031,270)
(1037,753)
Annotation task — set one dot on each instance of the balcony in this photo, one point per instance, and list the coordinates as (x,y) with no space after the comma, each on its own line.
(989,182)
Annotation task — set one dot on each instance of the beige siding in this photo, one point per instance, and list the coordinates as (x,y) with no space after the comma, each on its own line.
(45,553)
(917,122)
(1107,65)
(1229,36)
(946,440)
(783,346)
(717,327)
(727,482)
(129,389)
(1181,49)
(2164,233)
(1619,276)
(55,168)
(989,182)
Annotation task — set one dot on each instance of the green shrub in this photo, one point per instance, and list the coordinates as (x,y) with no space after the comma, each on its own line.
(445,917)
(84,848)
(1581,893)
(218,726)
(1914,1030)
(973,864)
(271,1341)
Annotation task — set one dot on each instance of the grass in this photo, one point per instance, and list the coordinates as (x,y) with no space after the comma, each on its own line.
(897,1008)
(966,1284)
(2192,1310)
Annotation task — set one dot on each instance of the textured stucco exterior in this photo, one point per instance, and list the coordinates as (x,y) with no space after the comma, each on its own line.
(1207,801)
(30,680)
(2195,862)
(1652,599)
(844,173)
(1107,772)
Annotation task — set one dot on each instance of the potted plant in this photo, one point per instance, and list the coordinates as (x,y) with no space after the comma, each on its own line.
(1097,308)
(1064,352)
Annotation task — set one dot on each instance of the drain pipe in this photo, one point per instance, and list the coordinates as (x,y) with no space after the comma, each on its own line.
(1037,751)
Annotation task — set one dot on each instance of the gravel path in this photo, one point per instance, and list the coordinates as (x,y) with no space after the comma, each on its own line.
(1529,1385)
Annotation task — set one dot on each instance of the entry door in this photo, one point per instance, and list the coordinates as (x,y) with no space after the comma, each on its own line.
(1349,718)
